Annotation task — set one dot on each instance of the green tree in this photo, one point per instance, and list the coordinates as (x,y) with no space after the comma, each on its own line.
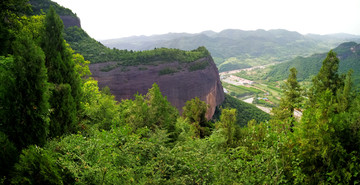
(11,11)
(8,155)
(161,112)
(327,78)
(81,65)
(63,103)
(61,71)
(59,59)
(327,140)
(291,99)
(195,111)
(37,166)
(152,111)
(227,124)
(24,97)
(99,107)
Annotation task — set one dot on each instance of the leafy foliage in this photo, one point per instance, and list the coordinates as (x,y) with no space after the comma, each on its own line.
(194,111)
(36,165)
(24,96)
(291,99)
(151,110)
(8,155)
(198,65)
(11,13)
(66,94)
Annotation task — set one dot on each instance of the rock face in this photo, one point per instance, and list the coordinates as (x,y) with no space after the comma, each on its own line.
(70,21)
(178,87)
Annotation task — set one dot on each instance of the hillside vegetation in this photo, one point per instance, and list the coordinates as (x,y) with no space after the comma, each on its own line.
(41,6)
(245,112)
(307,67)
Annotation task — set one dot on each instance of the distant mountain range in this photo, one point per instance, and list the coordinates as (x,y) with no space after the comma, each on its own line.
(248,47)
(307,67)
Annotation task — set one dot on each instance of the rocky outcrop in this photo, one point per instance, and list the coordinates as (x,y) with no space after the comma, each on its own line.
(178,87)
(70,21)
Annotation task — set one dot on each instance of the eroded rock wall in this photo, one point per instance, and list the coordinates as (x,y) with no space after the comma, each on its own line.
(178,87)
(70,21)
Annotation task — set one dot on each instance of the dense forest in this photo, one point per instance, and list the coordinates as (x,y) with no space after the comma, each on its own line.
(58,127)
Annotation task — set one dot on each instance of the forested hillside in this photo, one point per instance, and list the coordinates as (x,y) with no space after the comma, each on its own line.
(58,127)
(348,53)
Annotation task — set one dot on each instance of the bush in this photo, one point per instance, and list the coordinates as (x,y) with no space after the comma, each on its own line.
(37,166)
(198,65)
(167,71)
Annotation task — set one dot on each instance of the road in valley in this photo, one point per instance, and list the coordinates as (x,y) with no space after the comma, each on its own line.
(265,109)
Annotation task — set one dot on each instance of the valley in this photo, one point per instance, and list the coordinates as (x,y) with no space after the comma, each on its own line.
(258,92)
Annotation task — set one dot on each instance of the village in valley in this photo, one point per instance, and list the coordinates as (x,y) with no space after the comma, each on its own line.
(255,95)
(263,95)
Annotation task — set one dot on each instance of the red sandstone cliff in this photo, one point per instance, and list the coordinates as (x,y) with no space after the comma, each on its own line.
(179,87)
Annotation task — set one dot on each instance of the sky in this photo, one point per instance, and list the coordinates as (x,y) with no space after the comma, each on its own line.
(110,19)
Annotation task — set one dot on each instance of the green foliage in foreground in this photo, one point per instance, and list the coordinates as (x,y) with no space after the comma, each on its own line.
(145,141)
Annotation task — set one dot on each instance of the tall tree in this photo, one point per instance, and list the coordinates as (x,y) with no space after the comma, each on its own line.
(327,78)
(328,136)
(161,112)
(61,71)
(227,123)
(291,99)
(194,111)
(24,101)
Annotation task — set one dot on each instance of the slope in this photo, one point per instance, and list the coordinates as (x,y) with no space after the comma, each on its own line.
(245,112)
(348,53)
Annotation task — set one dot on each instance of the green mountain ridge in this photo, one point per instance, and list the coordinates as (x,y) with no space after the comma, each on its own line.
(250,48)
(307,67)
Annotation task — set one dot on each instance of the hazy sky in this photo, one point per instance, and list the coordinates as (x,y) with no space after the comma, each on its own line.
(108,19)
